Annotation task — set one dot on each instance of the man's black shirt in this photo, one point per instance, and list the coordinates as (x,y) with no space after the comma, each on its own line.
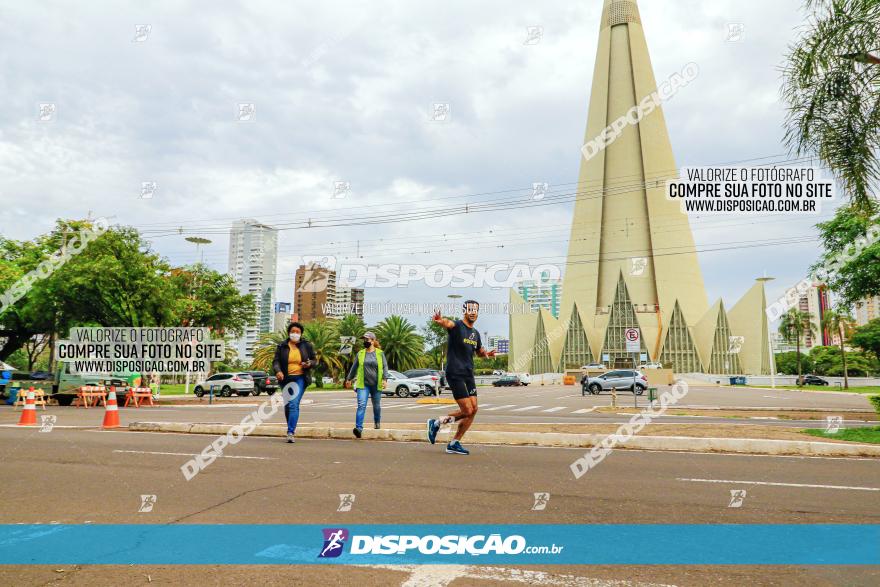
(463,343)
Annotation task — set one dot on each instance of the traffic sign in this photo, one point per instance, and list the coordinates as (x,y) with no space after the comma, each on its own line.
(633,340)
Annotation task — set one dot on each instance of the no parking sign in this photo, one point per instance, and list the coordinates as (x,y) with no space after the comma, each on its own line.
(633,340)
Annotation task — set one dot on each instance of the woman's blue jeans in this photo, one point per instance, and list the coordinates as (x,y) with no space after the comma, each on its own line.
(375,394)
(297,391)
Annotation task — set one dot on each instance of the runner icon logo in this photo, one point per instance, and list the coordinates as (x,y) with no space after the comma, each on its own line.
(541,500)
(334,542)
(737,497)
(346,501)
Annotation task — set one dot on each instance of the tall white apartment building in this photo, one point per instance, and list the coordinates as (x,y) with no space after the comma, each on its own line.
(253,259)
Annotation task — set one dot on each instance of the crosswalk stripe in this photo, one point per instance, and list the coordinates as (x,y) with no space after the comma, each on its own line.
(501,407)
(525,409)
(412,407)
(556,409)
(443,407)
(584,411)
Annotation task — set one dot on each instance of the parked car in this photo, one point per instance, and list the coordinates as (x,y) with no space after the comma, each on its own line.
(264,382)
(650,366)
(428,372)
(497,372)
(226,384)
(524,378)
(507,381)
(67,384)
(403,386)
(618,379)
(593,367)
(41,376)
(812,380)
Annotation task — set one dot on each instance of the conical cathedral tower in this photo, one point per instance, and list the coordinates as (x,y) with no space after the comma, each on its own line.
(631,262)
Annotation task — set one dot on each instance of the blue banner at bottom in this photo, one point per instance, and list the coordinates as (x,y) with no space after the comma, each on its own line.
(649,544)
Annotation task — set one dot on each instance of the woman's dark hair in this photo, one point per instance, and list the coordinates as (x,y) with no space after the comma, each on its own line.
(295,324)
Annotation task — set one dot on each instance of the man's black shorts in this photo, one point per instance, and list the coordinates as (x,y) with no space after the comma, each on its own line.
(462,386)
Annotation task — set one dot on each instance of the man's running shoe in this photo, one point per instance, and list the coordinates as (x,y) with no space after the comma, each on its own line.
(455,448)
(433,429)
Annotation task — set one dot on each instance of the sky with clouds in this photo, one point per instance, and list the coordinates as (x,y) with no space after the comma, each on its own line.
(345,92)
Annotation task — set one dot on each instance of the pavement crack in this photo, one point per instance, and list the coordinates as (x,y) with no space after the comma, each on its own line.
(233,498)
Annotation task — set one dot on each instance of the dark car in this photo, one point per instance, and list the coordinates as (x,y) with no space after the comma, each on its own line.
(264,382)
(507,381)
(427,372)
(812,380)
(41,376)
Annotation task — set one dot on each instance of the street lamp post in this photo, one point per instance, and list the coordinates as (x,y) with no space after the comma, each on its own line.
(198,242)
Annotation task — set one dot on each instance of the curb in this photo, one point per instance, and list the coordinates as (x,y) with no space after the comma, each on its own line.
(750,446)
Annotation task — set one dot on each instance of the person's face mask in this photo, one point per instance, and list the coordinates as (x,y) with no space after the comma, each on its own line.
(367,343)
(295,336)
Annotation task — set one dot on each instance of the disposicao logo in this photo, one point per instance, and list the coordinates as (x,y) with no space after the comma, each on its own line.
(334,542)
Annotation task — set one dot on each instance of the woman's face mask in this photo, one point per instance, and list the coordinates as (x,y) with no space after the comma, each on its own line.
(295,336)
(367,343)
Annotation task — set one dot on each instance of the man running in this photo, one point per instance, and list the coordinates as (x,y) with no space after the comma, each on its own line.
(464,341)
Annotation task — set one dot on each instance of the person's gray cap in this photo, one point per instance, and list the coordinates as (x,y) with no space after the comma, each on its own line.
(369,334)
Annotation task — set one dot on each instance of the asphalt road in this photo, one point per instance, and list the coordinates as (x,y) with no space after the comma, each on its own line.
(551,404)
(79,475)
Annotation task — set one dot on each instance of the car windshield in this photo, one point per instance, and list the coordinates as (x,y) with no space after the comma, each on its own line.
(245,375)
(396,375)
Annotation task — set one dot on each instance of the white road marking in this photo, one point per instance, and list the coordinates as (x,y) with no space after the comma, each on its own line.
(411,407)
(525,409)
(443,575)
(556,409)
(584,411)
(728,482)
(443,407)
(501,407)
(192,454)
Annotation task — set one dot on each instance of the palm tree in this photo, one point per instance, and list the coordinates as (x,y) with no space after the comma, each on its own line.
(264,350)
(401,343)
(830,83)
(844,325)
(794,326)
(350,325)
(324,336)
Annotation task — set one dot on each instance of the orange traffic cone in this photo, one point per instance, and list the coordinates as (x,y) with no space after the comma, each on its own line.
(29,413)
(111,414)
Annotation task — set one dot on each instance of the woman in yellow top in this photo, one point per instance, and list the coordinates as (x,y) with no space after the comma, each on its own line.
(292,364)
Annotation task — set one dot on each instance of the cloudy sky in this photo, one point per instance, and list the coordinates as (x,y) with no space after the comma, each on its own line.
(343,92)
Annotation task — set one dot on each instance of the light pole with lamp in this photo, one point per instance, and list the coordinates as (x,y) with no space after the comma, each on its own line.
(198,242)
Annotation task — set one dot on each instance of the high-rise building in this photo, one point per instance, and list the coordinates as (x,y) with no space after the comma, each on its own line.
(867,309)
(816,302)
(314,289)
(282,316)
(253,256)
(543,293)
(317,295)
(632,265)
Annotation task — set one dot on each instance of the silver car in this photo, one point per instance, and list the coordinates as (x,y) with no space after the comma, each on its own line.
(617,379)
(403,386)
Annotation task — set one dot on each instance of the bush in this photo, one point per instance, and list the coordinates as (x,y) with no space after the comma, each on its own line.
(875,400)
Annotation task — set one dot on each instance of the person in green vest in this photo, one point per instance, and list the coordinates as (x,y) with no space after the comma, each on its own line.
(365,371)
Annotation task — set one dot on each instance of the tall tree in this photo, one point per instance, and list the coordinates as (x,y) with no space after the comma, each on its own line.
(853,253)
(794,326)
(401,342)
(842,324)
(323,335)
(830,85)
(867,337)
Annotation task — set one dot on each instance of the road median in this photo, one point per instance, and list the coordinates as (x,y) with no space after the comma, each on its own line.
(511,436)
